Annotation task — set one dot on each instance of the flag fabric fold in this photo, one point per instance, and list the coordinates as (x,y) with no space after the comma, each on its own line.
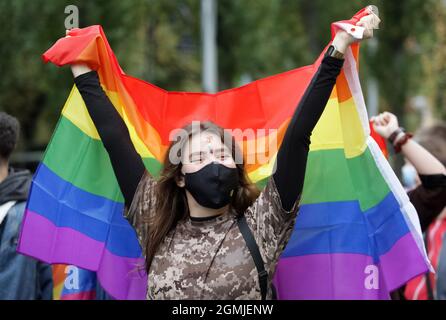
(356,236)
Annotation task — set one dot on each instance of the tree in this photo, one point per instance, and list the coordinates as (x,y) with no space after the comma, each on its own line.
(159,41)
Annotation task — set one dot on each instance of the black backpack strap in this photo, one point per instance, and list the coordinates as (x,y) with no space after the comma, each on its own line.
(255,253)
(429,289)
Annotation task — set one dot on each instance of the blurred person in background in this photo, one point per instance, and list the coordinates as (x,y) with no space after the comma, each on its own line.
(424,175)
(21,277)
(433,286)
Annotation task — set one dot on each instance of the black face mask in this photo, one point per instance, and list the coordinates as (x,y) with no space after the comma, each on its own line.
(213,185)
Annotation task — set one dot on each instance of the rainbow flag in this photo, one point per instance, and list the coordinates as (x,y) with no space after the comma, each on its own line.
(355,218)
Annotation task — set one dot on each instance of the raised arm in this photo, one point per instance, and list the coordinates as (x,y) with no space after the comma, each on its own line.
(386,125)
(292,156)
(127,163)
(293,153)
(428,198)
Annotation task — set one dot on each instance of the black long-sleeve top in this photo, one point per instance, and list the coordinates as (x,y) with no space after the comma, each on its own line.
(429,198)
(291,158)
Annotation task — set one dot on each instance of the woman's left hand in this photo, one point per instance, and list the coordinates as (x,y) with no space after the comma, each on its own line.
(343,39)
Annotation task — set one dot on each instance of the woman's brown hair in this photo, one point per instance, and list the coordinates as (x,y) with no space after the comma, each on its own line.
(171,201)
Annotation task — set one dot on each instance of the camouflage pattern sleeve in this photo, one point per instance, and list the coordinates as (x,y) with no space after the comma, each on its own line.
(142,207)
(270,223)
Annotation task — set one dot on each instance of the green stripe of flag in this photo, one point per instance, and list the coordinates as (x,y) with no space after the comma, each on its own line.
(82,161)
(330,177)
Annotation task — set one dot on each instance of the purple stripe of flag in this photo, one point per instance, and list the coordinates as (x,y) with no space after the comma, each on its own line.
(121,277)
(348,276)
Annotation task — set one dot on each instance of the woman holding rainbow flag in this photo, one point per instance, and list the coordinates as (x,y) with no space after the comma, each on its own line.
(205,231)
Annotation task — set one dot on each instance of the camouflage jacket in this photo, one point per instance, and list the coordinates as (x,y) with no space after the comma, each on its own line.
(209,259)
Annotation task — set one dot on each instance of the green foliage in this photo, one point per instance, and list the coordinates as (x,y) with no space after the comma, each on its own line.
(159,41)
(397,63)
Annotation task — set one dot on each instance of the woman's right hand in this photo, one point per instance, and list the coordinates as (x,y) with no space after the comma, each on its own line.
(78,68)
